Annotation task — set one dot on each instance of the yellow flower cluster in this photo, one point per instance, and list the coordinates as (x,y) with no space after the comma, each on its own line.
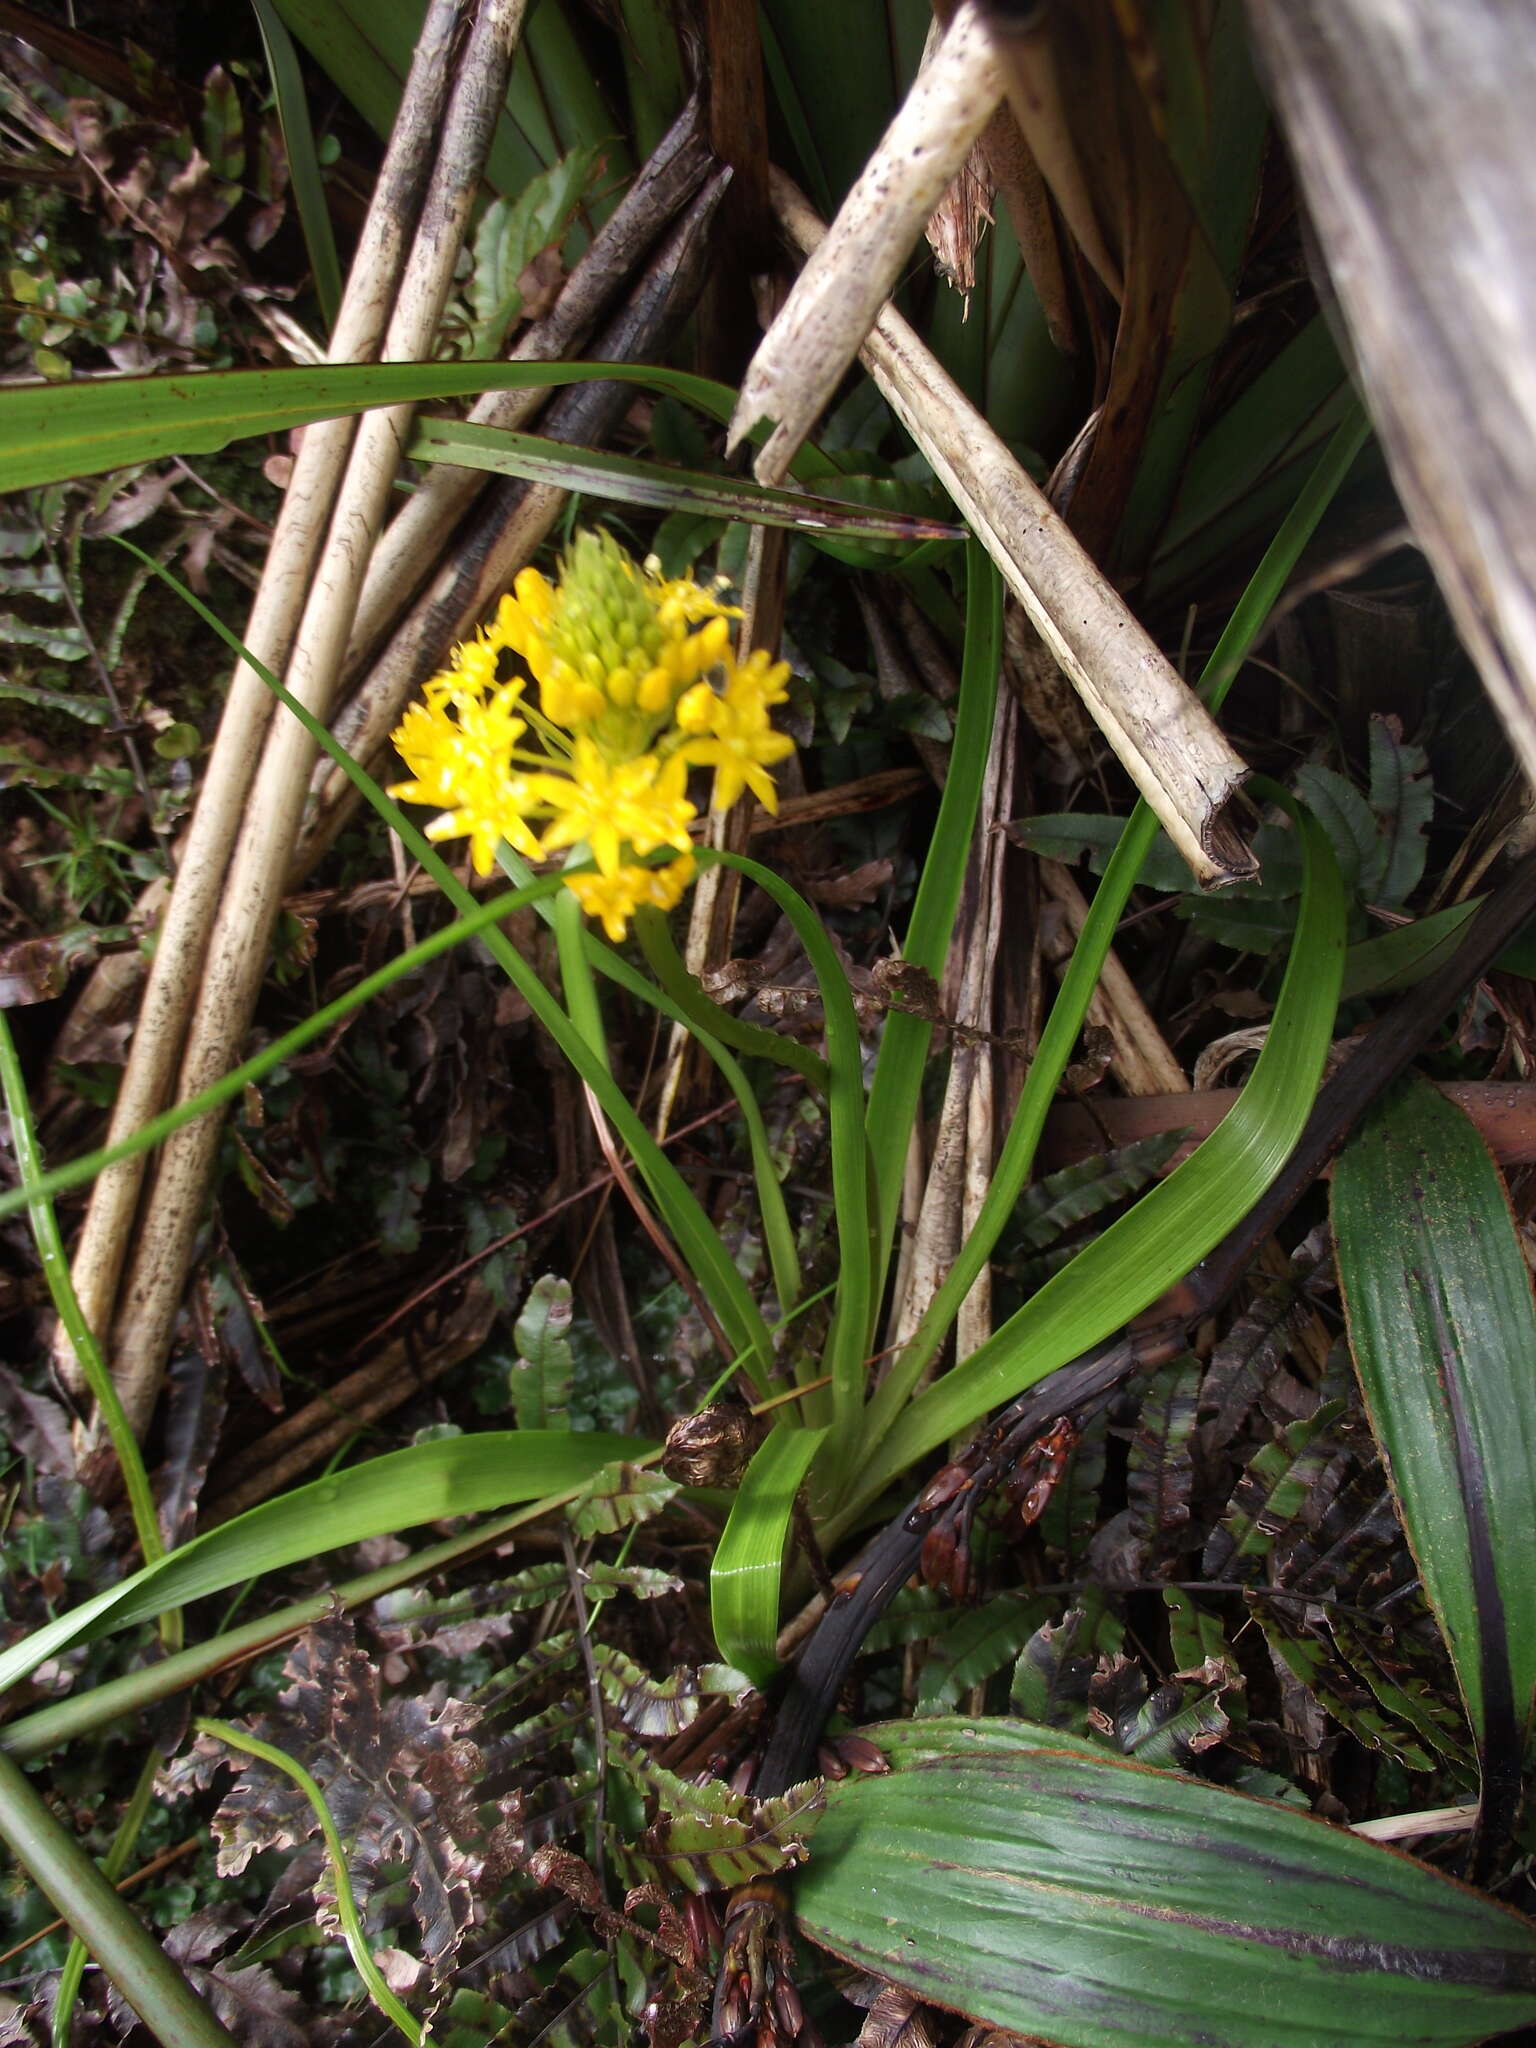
(637,682)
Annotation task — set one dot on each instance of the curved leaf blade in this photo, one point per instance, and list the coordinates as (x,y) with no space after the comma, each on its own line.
(749,1559)
(1100,1904)
(52,432)
(461,1475)
(1174,1225)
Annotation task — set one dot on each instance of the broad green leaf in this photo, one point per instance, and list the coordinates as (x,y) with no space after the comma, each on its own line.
(602,474)
(461,1475)
(1100,1904)
(1410,953)
(1403,799)
(1443,1329)
(1344,815)
(1049,1686)
(749,1559)
(511,233)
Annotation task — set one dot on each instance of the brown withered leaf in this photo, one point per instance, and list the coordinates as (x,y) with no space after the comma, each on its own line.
(194,1415)
(858,886)
(37,970)
(1089,1070)
(896,2020)
(958,221)
(540,282)
(398,1776)
(250,2002)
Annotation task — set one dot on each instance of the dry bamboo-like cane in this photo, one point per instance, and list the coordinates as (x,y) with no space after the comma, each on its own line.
(1168,742)
(973,1320)
(1141,1059)
(961,1164)
(204,854)
(508,525)
(238,947)
(837,297)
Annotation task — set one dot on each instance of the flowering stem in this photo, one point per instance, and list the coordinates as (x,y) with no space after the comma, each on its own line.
(576,973)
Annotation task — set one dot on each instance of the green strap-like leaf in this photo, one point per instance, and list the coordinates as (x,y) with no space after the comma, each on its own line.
(52,432)
(303,162)
(461,1475)
(853,1318)
(749,1559)
(1443,1331)
(1174,1225)
(1100,1904)
(629,481)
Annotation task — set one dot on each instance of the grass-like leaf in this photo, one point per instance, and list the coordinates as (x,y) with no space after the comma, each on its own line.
(749,1558)
(602,474)
(461,1475)
(1174,1225)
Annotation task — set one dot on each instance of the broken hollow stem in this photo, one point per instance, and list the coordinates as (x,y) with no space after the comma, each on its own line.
(1168,742)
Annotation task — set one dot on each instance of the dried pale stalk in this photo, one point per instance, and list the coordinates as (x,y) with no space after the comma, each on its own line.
(973,1322)
(1029,71)
(837,297)
(204,854)
(507,526)
(717,892)
(237,953)
(1410,125)
(961,1162)
(1166,739)
(314,1432)
(1141,1059)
